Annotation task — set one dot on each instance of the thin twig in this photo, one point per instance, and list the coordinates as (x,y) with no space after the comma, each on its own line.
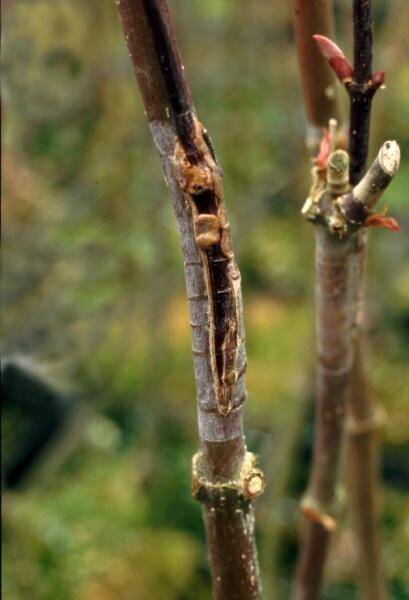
(360,90)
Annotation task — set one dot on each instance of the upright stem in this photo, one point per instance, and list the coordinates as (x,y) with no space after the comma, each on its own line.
(318,82)
(225,478)
(362,29)
(335,272)
(356,207)
(361,90)
(363,422)
(333,294)
(363,441)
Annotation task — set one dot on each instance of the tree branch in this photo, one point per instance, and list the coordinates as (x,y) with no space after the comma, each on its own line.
(362,29)
(356,208)
(361,90)
(309,18)
(335,277)
(347,215)
(225,478)
(357,205)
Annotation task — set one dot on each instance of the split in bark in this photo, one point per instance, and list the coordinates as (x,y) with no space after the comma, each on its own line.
(225,478)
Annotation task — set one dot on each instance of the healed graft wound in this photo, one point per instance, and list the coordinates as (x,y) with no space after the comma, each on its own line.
(248,484)
(200,178)
(316,513)
(374,422)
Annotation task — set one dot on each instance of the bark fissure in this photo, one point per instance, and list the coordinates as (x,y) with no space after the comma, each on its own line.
(225,478)
(202,183)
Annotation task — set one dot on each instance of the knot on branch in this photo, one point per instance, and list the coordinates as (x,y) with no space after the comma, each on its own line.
(249,483)
(198,172)
(374,422)
(315,512)
(207,231)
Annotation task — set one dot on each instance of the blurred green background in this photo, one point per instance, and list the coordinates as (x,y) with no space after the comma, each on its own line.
(93,296)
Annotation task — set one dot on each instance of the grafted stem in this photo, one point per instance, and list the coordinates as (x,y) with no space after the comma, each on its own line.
(355,214)
(225,478)
(335,271)
(335,284)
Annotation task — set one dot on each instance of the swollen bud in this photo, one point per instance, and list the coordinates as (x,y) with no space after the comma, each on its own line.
(378,78)
(336,58)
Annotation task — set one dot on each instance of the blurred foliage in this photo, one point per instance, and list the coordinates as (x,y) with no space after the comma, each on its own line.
(93,290)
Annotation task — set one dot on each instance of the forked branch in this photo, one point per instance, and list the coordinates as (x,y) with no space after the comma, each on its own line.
(348,216)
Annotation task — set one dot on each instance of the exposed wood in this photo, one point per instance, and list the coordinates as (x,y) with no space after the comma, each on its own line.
(225,478)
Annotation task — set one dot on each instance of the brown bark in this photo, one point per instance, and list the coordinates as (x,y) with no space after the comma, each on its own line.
(340,252)
(334,274)
(225,478)
(335,312)
(364,421)
(355,207)
(315,543)
(312,17)
(363,446)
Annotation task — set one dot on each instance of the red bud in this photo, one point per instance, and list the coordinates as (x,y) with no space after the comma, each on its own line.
(336,58)
(378,78)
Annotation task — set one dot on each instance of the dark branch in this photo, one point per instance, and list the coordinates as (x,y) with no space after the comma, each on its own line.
(362,22)
(361,90)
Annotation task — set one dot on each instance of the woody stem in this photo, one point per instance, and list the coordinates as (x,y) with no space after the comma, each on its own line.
(225,479)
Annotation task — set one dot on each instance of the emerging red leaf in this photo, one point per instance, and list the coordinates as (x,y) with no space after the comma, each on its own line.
(321,159)
(336,58)
(380,220)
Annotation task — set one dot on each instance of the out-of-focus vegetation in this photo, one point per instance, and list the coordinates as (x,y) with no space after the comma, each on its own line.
(93,291)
